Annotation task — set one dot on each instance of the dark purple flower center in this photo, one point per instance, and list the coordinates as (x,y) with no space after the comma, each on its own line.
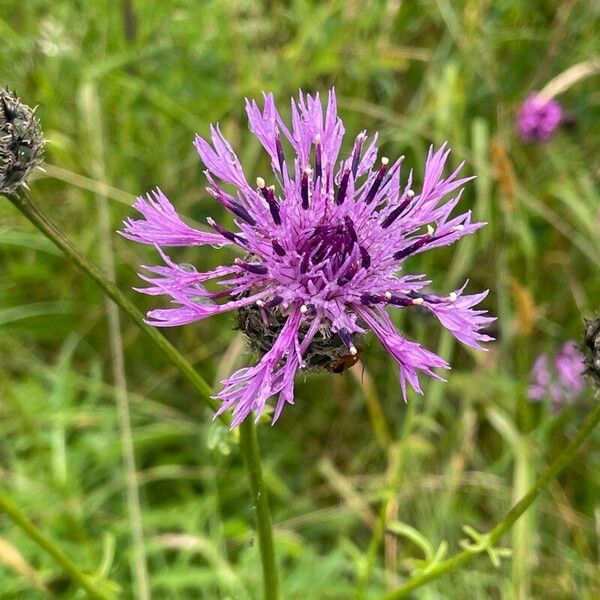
(326,252)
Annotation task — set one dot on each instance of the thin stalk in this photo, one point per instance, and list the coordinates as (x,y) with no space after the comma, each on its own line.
(494,535)
(129,20)
(23,202)
(72,570)
(92,117)
(251,453)
(373,548)
(134,508)
(397,456)
(522,534)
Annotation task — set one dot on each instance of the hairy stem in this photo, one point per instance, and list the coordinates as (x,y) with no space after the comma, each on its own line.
(493,536)
(79,577)
(251,453)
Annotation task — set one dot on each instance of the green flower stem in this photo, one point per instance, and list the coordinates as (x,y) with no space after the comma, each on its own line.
(251,453)
(493,536)
(23,202)
(248,439)
(78,576)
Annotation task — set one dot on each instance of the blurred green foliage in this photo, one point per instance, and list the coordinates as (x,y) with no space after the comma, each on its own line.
(120,97)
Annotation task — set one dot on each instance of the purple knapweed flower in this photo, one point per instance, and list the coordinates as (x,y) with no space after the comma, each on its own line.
(561,384)
(321,248)
(538,118)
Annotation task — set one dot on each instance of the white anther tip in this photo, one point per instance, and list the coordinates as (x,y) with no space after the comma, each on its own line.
(430,230)
(385,160)
(304,309)
(318,138)
(417,301)
(388,296)
(459,227)
(260,182)
(410,193)
(210,221)
(353,350)
(260,303)
(452,296)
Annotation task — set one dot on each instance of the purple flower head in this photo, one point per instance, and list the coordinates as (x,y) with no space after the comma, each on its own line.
(538,118)
(564,382)
(322,244)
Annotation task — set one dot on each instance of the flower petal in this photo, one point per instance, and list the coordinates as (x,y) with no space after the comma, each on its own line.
(162,225)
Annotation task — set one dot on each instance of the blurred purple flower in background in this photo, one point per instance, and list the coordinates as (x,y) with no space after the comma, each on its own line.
(320,253)
(562,382)
(538,118)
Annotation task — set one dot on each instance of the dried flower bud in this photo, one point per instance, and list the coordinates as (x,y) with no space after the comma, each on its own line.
(21,141)
(591,349)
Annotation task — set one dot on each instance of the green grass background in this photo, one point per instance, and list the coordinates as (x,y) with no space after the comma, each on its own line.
(120,98)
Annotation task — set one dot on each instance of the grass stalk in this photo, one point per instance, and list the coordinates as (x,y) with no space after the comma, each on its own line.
(494,535)
(396,462)
(80,578)
(523,533)
(92,117)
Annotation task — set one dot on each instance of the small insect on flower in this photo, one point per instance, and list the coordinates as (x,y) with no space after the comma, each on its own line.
(321,246)
(347,361)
